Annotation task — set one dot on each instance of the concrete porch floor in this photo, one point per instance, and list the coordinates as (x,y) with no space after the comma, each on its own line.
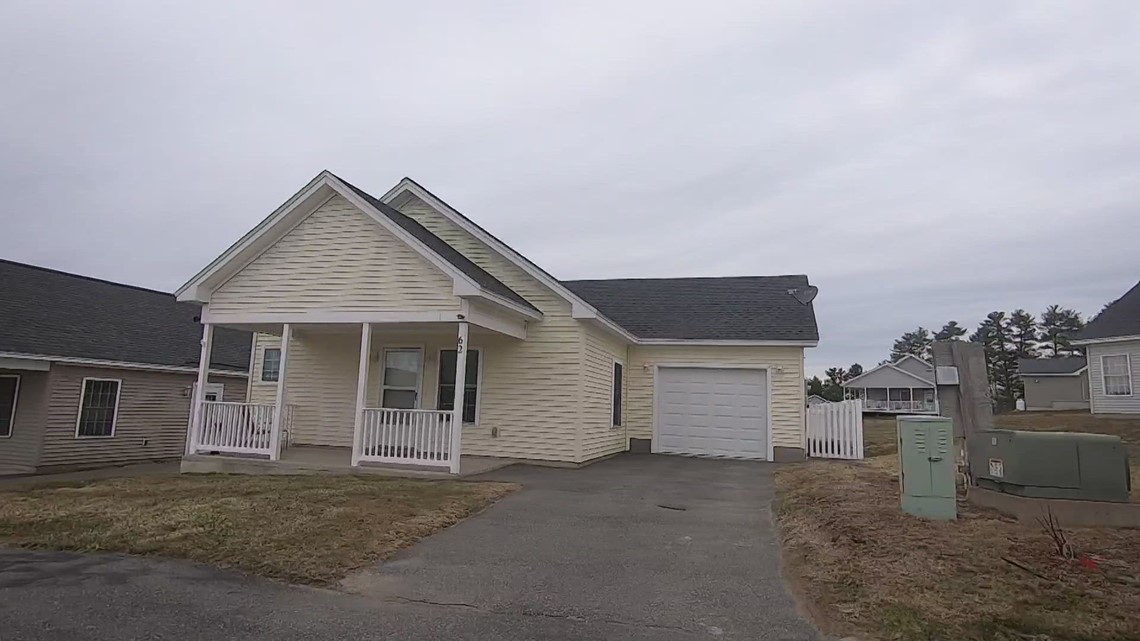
(313,459)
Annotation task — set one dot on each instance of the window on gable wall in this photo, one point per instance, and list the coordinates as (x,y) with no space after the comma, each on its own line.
(1117,375)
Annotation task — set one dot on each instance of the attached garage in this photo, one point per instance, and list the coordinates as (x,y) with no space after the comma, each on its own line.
(713,411)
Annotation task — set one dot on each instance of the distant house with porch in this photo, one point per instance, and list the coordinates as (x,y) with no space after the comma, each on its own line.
(396,331)
(905,386)
(1055,383)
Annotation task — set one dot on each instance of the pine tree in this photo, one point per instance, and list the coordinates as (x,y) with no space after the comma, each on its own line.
(917,343)
(1001,361)
(855,370)
(1058,325)
(814,386)
(1023,333)
(951,331)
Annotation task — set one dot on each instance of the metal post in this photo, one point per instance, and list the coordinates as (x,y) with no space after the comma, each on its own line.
(200,389)
(361,391)
(457,410)
(279,408)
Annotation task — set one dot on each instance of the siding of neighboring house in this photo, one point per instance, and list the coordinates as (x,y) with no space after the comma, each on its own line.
(153,406)
(599,436)
(788,397)
(914,367)
(1101,403)
(888,377)
(338,258)
(21,451)
(1056,392)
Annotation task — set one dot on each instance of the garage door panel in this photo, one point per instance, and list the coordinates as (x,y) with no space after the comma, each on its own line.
(712,412)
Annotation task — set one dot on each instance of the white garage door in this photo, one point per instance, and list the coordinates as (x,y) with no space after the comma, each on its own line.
(712,412)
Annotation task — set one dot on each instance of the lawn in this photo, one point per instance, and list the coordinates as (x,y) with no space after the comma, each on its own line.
(863,567)
(302,529)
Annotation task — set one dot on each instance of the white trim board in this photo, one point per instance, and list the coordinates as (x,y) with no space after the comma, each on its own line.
(1109,339)
(768,370)
(93,362)
(722,343)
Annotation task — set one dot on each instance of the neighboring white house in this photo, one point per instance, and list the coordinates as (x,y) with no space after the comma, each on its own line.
(1112,347)
(905,386)
(816,399)
(382,324)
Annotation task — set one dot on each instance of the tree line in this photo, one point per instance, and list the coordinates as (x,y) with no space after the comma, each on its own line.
(1005,338)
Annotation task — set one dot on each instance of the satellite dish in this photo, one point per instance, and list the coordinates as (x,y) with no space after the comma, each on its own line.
(805,294)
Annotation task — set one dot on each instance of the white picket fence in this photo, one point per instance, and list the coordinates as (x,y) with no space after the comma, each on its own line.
(835,430)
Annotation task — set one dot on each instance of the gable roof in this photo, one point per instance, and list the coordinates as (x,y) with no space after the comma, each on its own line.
(1119,319)
(893,366)
(1060,366)
(52,313)
(748,308)
(440,247)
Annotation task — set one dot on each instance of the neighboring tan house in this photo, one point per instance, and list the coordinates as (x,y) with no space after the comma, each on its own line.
(94,373)
(905,386)
(1112,346)
(1055,383)
(376,314)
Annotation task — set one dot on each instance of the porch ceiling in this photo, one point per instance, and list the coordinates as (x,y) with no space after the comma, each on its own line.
(447,329)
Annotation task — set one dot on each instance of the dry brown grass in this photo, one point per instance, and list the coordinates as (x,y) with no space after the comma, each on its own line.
(303,529)
(865,567)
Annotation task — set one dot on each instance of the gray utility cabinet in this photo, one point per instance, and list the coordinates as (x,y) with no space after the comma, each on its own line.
(927,466)
(1056,465)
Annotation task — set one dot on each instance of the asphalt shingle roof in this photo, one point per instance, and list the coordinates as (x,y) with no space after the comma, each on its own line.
(1121,318)
(733,308)
(440,247)
(1060,365)
(46,312)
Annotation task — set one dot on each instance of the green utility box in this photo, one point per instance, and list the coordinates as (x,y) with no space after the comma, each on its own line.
(926,466)
(1053,465)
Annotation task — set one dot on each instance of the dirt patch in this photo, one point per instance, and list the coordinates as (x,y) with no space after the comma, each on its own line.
(302,529)
(869,569)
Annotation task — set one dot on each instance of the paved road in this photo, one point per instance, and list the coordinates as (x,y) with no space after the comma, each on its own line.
(578,554)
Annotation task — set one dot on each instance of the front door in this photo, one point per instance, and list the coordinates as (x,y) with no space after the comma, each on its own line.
(400,385)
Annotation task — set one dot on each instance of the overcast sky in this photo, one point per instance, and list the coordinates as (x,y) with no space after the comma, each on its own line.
(921,162)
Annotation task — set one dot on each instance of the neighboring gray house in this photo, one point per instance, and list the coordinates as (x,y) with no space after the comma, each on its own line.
(905,386)
(94,373)
(1112,346)
(1055,383)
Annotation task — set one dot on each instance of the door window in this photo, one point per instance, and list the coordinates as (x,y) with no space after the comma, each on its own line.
(401,383)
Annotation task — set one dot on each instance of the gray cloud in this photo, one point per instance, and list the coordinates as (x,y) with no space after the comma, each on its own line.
(921,163)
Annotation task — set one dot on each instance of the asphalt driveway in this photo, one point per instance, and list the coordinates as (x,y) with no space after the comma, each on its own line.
(637,547)
(652,542)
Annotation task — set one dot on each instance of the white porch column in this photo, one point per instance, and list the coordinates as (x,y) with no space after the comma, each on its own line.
(361,391)
(457,410)
(200,389)
(279,408)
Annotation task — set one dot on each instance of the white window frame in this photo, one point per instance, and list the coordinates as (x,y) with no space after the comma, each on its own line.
(15,402)
(1127,370)
(478,381)
(261,374)
(114,417)
(419,379)
(624,375)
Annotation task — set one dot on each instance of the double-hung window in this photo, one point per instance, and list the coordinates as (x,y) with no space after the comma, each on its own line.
(98,407)
(446,397)
(271,365)
(1117,375)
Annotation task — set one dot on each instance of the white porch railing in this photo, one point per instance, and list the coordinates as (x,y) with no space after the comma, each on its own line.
(835,430)
(898,406)
(417,437)
(239,428)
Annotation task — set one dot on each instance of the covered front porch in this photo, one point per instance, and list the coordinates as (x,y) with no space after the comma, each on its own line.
(895,400)
(329,395)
